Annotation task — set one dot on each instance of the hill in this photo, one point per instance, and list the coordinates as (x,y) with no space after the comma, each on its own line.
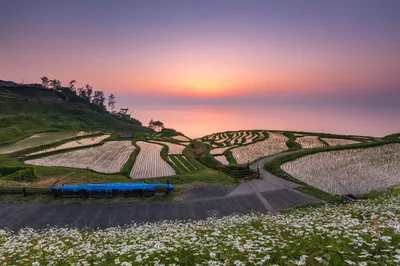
(25,110)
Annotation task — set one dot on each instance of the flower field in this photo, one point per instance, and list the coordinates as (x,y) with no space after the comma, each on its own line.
(364,233)
(354,171)
(339,142)
(276,143)
(222,159)
(76,143)
(172,148)
(107,158)
(149,162)
(308,142)
(39,140)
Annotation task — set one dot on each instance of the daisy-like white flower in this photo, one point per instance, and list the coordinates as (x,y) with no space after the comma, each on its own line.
(319,259)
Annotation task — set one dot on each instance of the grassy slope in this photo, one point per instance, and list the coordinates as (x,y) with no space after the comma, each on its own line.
(21,117)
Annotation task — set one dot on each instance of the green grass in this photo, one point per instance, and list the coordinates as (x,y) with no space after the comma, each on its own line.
(182,164)
(49,176)
(392,137)
(187,163)
(126,169)
(291,143)
(23,116)
(178,165)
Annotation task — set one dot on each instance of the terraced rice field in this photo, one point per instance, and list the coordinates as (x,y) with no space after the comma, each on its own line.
(182,164)
(339,142)
(221,138)
(39,140)
(276,143)
(219,150)
(250,137)
(149,162)
(354,171)
(172,148)
(107,158)
(76,143)
(222,159)
(236,137)
(181,138)
(309,142)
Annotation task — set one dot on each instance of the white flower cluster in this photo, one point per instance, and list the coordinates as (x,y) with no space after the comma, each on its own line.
(364,233)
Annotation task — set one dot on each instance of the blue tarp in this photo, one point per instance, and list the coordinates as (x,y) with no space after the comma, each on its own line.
(113,187)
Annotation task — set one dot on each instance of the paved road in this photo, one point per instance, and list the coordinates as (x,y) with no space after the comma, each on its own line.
(263,195)
(271,188)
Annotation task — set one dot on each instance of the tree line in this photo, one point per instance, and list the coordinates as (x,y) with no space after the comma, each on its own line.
(96,99)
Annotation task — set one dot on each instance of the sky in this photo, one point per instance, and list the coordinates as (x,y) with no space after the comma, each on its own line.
(216,52)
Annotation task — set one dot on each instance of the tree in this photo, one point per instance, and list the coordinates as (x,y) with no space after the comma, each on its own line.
(82,93)
(71,85)
(111,102)
(156,125)
(45,81)
(89,92)
(99,98)
(55,84)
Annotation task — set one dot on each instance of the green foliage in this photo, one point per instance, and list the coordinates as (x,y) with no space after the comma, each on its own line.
(188,153)
(229,156)
(208,160)
(35,110)
(19,174)
(392,137)
(126,170)
(291,143)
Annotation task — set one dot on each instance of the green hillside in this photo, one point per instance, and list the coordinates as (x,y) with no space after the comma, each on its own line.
(27,110)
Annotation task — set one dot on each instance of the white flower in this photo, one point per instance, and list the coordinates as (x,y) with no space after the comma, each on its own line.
(212,254)
(350,262)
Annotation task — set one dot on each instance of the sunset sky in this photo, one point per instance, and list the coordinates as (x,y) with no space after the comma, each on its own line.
(214,52)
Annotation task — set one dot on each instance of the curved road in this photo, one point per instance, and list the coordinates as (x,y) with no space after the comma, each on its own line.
(268,194)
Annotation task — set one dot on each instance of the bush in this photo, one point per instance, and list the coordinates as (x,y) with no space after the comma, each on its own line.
(18,174)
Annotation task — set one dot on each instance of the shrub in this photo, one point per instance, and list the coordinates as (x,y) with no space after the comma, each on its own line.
(18,174)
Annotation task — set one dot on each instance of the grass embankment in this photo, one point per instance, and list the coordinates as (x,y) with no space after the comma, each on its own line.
(274,167)
(365,233)
(49,176)
(392,137)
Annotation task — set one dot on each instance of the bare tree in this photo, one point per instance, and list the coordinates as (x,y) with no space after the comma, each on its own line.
(111,102)
(71,85)
(55,84)
(89,92)
(45,81)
